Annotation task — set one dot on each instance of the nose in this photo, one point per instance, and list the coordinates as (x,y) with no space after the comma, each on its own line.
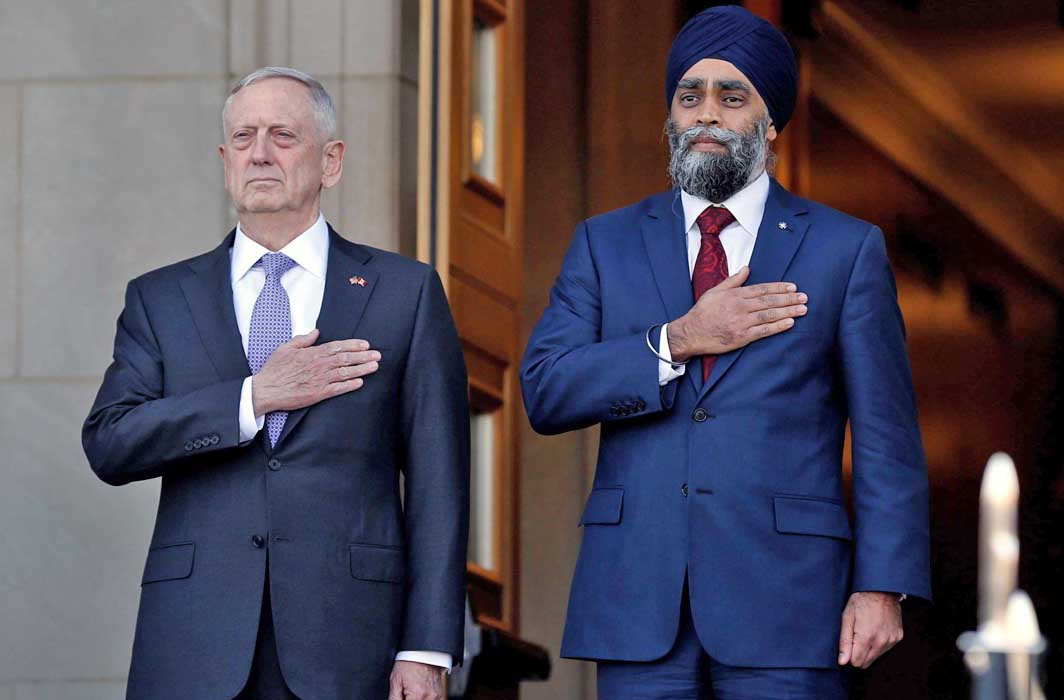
(709,114)
(260,151)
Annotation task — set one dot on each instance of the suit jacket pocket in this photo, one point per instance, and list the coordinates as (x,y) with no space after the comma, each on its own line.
(808,515)
(603,507)
(376,562)
(169,562)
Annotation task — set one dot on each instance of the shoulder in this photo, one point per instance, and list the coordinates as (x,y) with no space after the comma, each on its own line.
(622,219)
(618,234)
(165,277)
(386,260)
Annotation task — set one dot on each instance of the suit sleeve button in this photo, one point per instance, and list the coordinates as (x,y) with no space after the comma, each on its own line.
(274,464)
(700,415)
(215,439)
(640,405)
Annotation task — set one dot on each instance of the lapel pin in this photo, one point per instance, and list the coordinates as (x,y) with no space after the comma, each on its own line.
(782,225)
(360,281)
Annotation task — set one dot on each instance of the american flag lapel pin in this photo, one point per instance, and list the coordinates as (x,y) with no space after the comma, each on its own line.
(360,281)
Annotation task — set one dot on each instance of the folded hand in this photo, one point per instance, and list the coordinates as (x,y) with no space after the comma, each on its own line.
(415,681)
(871,625)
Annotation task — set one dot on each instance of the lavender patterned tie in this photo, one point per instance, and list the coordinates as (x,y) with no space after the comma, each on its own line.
(271,326)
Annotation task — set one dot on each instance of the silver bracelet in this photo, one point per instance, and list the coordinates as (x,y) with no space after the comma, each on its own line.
(674,364)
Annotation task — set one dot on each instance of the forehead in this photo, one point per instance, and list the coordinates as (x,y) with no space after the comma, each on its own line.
(711,70)
(273,98)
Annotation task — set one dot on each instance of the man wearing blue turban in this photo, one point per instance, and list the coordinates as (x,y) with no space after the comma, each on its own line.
(722,334)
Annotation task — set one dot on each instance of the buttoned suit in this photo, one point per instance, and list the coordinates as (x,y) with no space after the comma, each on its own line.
(357,570)
(734,484)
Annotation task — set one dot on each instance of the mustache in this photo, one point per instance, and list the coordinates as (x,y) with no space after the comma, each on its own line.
(732,140)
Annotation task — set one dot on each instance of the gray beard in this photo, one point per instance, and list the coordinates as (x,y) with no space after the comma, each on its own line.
(717,176)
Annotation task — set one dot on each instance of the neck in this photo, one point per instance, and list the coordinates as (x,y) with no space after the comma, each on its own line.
(276,229)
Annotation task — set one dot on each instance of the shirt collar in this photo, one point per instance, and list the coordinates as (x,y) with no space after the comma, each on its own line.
(309,250)
(747,205)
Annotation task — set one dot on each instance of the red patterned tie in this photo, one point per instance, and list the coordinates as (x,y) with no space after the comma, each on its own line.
(711,265)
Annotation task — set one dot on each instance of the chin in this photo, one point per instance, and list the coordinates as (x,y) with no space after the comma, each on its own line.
(262,205)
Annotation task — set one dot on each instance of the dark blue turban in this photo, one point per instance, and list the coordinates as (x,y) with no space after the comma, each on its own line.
(749,43)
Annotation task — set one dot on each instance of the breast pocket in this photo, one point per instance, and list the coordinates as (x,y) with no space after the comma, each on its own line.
(349,419)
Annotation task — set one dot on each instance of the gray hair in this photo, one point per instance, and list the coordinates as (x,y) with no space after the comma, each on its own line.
(716,176)
(320,102)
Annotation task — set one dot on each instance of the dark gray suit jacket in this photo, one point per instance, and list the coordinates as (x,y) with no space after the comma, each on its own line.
(357,573)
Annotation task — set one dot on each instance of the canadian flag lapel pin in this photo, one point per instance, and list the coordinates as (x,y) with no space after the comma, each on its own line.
(360,281)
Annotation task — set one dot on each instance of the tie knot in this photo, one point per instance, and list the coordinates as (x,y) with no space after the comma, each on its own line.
(276,264)
(713,220)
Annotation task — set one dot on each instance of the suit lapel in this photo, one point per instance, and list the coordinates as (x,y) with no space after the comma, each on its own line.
(348,287)
(208,289)
(666,245)
(773,251)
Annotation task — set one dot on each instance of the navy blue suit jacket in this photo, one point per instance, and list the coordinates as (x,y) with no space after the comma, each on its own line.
(736,482)
(355,572)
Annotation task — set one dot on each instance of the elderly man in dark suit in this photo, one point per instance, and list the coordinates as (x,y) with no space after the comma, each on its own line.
(280,385)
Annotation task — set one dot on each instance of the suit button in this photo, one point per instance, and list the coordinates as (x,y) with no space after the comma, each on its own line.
(188,446)
(700,415)
(640,405)
(214,439)
(274,464)
(257,541)
(683,490)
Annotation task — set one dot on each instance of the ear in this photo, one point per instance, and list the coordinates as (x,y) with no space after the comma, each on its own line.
(225,162)
(332,163)
(771,134)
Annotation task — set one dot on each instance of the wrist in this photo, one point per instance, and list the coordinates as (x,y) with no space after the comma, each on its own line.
(258,399)
(679,347)
(886,596)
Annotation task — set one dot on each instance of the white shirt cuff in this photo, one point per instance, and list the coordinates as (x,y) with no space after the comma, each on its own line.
(250,424)
(667,371)
(432,658)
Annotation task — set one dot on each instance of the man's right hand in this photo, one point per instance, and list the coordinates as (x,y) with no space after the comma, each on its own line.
(730,316)
(300,374)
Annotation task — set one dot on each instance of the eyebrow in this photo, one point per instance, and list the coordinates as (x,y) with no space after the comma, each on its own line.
(724,85)
(271,127)
(718,85)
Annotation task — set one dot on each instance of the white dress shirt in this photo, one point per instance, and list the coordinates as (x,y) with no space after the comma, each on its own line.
(305,285)
(748,207)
